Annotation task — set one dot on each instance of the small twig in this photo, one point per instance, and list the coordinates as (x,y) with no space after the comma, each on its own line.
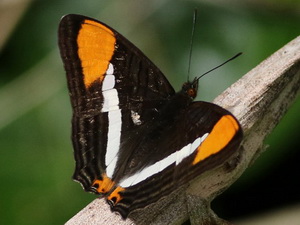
(259,100)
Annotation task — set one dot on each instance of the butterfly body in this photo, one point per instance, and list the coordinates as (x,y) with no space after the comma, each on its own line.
(135,140)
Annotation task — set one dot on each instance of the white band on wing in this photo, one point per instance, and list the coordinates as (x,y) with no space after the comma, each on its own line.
(175,157)
(111,105)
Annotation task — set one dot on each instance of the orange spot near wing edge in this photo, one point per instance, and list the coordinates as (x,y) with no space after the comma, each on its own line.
(103,186)
(115,196)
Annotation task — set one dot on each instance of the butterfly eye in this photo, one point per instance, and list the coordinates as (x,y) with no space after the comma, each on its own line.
(191,92)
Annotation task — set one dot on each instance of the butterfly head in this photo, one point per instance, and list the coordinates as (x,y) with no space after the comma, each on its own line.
(191,88)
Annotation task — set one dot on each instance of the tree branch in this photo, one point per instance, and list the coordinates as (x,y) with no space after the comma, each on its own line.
(258,100)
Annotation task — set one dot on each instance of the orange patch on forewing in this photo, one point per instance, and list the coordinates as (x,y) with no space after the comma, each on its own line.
(220,136)
(96,45)
(115,196)
(104,185)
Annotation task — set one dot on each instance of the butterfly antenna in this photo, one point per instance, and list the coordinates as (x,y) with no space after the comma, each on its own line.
(191,43)
(232,58)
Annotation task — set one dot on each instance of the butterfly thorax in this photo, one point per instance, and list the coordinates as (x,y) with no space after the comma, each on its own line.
(180,101)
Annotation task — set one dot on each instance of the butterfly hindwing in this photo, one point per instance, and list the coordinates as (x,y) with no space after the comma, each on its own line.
(202,138)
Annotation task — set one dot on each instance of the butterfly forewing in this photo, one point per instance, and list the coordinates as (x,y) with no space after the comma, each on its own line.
(113,88)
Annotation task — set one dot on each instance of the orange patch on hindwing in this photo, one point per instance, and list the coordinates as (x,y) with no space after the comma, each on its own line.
(115,196)
(103,186)
(222,133)
(96,45)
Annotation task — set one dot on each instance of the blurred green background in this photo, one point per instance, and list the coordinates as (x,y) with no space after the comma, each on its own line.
(36,154)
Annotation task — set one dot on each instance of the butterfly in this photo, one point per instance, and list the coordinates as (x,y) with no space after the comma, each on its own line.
(135,139)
